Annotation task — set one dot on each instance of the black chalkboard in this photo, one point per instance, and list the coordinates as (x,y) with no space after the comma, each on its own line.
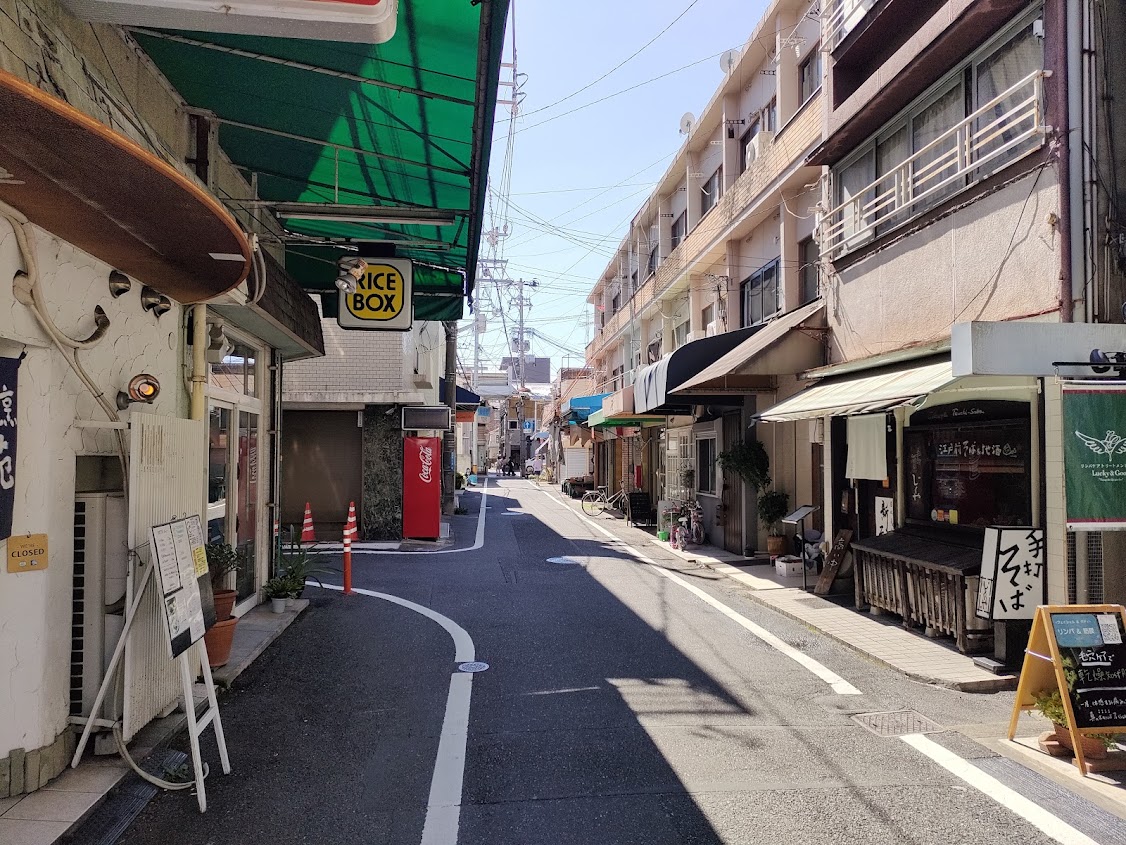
(1094,668)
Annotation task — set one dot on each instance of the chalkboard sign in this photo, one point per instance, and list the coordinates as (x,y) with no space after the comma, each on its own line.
(1093,657)
(1078,650)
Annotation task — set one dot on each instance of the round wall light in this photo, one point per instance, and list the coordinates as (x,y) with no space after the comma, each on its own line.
(142,388)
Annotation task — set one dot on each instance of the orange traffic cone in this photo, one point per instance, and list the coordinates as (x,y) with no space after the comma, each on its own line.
(307,535)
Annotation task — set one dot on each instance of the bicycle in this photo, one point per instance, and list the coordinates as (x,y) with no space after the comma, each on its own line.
(690,528)
(597,500)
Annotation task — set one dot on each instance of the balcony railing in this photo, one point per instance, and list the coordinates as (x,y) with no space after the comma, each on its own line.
(1006,127)
(839,17)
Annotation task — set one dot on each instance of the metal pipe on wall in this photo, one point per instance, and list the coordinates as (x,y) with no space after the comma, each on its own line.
(199,362)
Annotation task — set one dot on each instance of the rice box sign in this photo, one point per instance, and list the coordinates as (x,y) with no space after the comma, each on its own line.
(1094,452)
(382,298)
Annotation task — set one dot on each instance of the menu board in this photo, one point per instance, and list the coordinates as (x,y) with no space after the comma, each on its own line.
(1093,657)
(178,553)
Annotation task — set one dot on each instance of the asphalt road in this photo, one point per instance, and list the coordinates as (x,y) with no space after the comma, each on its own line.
(619,707)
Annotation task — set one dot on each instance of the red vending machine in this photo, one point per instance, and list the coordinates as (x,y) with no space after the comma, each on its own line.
(422,487)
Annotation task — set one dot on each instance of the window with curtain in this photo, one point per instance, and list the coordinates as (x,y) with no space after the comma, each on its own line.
(937,159)
(853,183)
(710,191)
(891,152)
(746,152)
(654,259)
(995,74)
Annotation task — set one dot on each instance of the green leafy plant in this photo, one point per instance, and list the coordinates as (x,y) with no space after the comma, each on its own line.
(688,476)
(1050,704)
(222,559)
(748,460)
(772,506)
(297,564)
(278,587)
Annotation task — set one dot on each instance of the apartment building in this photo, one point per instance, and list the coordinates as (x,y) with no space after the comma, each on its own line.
(970,248)
(711,304)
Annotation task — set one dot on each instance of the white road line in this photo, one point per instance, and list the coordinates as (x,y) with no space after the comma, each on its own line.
(478,541)
(1011,800)
(443,809)
(838,684)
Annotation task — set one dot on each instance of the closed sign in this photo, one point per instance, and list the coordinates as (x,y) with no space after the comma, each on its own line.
(27,553)
(382,299)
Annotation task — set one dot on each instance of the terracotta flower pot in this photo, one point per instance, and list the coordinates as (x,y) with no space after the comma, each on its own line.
(225,603)
(775,545)
(1093,749)
(218,640)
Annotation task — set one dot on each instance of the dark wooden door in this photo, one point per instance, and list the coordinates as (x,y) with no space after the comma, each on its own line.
(321,464)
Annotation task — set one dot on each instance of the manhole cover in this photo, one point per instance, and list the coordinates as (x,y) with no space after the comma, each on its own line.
(564,561)
(475,666)
(897,723)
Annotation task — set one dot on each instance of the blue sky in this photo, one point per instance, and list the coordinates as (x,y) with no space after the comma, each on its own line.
(583,159)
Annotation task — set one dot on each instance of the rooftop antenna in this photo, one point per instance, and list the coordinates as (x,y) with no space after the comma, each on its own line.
(728,60)
(687,122)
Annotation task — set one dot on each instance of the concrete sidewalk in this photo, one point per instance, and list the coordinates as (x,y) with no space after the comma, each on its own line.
(48,814)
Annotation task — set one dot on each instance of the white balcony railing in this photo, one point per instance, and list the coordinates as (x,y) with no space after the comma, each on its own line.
(1006,127)
(839,17)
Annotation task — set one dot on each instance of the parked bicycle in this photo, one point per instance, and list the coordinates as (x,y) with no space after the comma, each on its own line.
(690,527)
(598,500)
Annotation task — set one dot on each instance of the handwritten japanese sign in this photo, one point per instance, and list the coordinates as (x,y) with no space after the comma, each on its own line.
(9,370)
(1094,666)
(1012,574)
(174,546)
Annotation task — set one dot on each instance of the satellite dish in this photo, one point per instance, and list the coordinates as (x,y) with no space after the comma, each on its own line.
(687,121)
(728,59)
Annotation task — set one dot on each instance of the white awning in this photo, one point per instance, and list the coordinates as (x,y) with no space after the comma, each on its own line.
(743,357)
(865,394)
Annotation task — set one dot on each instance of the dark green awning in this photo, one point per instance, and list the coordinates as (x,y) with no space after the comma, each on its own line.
(402,125)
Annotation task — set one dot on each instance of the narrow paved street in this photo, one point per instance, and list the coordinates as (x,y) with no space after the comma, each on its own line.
(625,702)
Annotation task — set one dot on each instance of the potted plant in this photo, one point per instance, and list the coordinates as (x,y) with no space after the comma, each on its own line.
(748,460)
(222,559)
(772,506)
(296,565)
(277,590)
(1050,705)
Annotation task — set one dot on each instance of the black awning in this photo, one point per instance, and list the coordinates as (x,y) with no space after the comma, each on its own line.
(465,398)
(651,387)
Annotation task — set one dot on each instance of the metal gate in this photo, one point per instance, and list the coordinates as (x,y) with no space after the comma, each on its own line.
(322,463)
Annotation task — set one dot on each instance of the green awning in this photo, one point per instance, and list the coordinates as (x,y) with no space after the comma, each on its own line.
(598,419)
(405,125)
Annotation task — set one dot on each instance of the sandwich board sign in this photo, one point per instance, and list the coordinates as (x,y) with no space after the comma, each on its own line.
(1078,649)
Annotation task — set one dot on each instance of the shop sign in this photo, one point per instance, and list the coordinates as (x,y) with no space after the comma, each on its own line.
(382,298)
(27,553)
(1094,453)
(1012,574)
(9,371)
(178,549)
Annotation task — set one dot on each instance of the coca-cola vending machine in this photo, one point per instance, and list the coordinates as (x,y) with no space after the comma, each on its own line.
(422,488)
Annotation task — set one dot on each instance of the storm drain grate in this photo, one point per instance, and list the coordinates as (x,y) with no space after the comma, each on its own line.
(125,802)
(897,723)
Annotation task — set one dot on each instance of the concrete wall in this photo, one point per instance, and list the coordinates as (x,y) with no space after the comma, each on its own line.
(35,606)
(995,259)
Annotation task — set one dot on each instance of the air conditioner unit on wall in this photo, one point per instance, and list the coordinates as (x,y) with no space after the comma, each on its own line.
(760,144)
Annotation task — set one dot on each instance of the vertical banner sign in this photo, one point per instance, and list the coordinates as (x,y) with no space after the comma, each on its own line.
(422,487)
(1012,574)
(9,370)
(1094,456)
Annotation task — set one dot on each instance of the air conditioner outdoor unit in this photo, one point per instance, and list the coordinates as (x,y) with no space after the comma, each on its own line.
(712,330)
(760,144)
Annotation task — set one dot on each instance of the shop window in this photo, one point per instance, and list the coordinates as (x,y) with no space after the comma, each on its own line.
(969,475)
(705,465)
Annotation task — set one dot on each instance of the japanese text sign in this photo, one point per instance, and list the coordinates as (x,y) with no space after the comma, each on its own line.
(1012,574)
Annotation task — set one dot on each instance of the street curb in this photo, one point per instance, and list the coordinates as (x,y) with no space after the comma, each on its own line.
(225,675)
(1000,683)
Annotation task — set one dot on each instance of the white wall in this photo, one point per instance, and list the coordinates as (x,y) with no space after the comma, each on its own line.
(996,259)
(35,606)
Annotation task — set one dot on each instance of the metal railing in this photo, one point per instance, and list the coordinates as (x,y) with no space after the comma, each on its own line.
(1009,125)
(838,17)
